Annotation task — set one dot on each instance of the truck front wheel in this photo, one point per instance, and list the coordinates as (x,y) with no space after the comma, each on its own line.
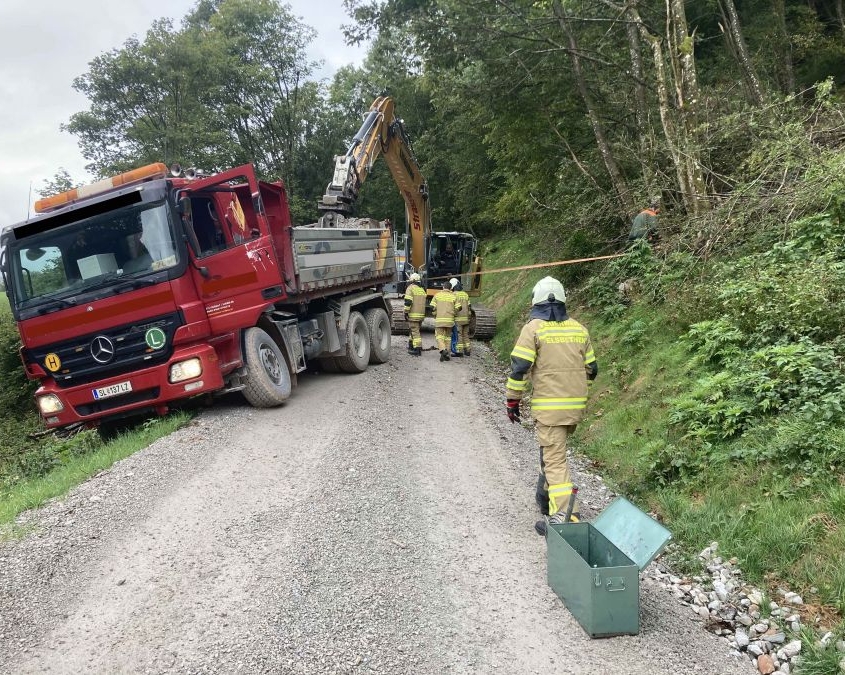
(357,345)
(267,381)
(378,323)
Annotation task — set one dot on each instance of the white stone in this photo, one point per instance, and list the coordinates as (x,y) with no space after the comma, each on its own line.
(755,649)
(756,597)
(742,640)
(720,590)
(792,648)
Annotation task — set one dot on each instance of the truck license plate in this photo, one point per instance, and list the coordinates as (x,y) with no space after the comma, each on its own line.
(112,390)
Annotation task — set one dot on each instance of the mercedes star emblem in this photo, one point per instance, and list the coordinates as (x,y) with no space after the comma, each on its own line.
(102,349)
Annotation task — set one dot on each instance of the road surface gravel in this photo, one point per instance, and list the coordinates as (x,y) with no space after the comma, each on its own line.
(376,523)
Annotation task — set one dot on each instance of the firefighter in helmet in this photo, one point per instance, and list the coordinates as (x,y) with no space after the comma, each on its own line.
(460,333)
(415,298)
(555,354)
(444,306)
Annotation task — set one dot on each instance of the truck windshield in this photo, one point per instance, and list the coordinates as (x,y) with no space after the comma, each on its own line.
(110,248)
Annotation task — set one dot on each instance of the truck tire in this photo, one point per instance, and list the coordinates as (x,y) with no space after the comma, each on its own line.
(378,323)
(267,382)
(357,345)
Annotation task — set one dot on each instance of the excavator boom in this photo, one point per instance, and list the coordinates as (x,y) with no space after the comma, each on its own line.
(382,133)
(436,256)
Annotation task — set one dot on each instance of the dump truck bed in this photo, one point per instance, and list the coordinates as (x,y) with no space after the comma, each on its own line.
(329,260)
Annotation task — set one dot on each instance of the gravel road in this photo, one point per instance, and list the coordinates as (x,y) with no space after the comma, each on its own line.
(380,522)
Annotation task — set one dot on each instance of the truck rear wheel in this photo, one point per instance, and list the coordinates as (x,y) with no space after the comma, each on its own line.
(357,345)
(378,323)
(267,382)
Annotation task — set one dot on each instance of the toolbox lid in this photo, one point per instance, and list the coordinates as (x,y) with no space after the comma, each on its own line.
(637,535)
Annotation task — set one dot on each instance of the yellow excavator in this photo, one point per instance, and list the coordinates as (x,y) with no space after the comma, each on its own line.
(435,256)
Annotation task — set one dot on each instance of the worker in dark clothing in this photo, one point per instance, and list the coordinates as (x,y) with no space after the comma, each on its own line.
(645,223)
(555,354)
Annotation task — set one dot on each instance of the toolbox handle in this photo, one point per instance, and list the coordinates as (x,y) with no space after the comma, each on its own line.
(612,581)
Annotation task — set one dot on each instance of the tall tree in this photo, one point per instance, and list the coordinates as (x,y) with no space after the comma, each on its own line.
(224,89)
(736,41)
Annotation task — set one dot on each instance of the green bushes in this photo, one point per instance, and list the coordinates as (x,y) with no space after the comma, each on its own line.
(23,455)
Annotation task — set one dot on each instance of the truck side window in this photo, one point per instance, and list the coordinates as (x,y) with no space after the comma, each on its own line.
(208,226)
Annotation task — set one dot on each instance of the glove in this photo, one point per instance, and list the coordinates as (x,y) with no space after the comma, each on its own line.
(513,409)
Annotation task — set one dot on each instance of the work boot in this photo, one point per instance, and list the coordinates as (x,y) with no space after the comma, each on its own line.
(417,351)
(541,527)
(444,355)
(457,355)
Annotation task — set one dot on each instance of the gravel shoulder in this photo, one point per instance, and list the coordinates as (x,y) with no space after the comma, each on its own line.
(381,522)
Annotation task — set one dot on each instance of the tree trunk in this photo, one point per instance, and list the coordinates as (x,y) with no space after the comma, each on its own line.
(740,50)
(623,193)
(640,102)
(682,57)
(840,13)
(787,71)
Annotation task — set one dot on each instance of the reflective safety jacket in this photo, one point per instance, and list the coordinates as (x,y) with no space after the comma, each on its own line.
(415,297)
(445,306)
(557,358)
(462,315)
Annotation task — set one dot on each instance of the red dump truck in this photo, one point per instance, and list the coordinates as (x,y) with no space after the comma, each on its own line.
(158,285)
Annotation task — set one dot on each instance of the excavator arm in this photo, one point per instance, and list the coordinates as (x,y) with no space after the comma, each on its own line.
(382,133)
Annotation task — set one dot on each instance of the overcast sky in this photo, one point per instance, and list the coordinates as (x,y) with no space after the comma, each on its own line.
(45,44)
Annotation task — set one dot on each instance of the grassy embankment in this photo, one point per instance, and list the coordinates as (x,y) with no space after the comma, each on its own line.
(713,429)
(36,469)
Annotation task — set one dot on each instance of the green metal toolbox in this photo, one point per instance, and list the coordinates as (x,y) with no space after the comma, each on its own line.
(595,567)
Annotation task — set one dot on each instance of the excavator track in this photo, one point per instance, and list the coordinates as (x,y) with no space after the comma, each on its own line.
(482,323)
(399,325)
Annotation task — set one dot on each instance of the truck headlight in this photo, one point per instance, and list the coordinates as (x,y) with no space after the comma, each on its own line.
(49,404)
(185,370)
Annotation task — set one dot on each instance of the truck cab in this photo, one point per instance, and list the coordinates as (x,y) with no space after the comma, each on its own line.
(148,288)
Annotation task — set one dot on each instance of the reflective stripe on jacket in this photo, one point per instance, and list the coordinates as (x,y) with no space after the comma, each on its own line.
(462,317)
(445,306)
(415,302)
(555,357)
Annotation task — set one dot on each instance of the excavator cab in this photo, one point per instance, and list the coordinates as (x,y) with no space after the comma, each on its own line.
(453,254)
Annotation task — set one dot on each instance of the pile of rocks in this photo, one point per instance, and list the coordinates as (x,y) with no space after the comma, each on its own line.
(741,614)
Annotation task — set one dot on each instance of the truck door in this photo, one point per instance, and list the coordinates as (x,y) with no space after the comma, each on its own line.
(235,267)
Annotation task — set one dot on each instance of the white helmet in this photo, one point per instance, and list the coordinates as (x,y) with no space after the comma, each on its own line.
(453,282)
(414,277)
(548,288)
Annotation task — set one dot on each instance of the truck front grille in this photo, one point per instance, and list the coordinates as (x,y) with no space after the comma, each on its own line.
(119,350)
